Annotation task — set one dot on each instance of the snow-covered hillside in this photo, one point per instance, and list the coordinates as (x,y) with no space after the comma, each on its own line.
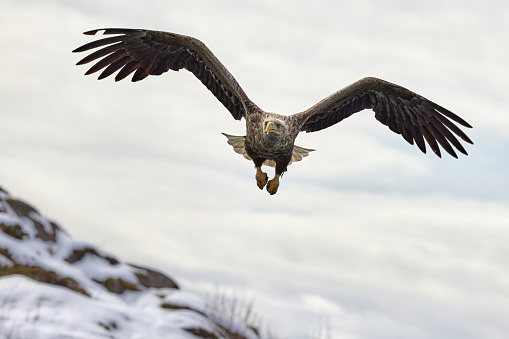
(54,286)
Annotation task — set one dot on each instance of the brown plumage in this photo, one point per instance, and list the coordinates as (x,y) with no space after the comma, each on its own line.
(270,137)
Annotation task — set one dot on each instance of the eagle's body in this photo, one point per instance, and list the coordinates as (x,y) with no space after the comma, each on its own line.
(263,144)
(270,137)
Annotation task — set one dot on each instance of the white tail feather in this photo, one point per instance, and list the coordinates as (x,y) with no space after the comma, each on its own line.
(238,144)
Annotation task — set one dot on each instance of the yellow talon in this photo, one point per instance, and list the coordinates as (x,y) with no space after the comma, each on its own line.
(273,185)
(261,178)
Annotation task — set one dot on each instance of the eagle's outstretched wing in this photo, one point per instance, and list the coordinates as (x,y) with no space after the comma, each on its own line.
(403,111)
(153,53)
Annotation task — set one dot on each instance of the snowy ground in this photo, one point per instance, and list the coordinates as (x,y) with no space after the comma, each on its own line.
(36,310)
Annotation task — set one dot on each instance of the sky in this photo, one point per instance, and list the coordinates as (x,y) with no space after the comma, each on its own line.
(366,234)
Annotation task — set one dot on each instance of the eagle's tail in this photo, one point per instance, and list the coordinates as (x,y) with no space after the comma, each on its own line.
(238,144)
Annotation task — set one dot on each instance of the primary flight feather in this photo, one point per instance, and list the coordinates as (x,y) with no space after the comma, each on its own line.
(270,137)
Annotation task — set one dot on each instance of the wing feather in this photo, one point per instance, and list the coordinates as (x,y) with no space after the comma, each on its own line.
(146,52)
(113,67)
(430,139)
(102,42)
(106,61)
(403,111)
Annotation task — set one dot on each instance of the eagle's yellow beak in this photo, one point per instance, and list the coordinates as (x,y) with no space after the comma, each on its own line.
(271,127)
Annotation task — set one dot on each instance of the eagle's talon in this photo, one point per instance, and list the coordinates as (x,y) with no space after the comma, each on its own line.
(273,185)
(261,179)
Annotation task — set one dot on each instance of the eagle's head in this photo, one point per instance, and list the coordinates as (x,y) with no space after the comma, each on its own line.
(275,129)
(274,133)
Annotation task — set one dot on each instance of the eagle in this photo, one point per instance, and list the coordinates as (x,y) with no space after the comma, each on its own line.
(270,137)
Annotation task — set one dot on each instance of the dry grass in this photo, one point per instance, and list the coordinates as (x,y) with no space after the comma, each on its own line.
(234,315)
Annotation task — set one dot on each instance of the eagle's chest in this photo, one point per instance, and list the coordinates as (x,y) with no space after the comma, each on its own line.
(260,145)
(266,148)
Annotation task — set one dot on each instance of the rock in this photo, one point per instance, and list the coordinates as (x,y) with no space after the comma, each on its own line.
(151,278)
(47,244)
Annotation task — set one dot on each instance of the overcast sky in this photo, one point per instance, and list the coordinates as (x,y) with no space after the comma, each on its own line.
(367,232)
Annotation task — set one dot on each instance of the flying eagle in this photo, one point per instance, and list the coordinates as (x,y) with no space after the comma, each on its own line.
(270,137)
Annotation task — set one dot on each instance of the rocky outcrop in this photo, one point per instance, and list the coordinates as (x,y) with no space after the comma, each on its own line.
(24,223)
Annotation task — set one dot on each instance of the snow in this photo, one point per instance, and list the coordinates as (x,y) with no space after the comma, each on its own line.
(36,310)
(4,261)
(99,269)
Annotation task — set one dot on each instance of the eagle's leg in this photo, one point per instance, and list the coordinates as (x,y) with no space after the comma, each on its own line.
(261,178)
(273,184)
(281,167)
